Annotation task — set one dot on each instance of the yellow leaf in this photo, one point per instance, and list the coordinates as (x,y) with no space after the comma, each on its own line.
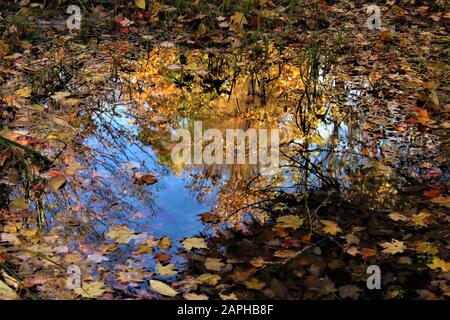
(194,243)
(443,201)
(331,227)
(165,243)
(24,92)
(92,289)
(57,182)
(254,283)
(140,4)
(194,296)
(162,288)
(237,22)
(121,234)
(426,248)
(422,219)
(289,221)
(439,263)
(211,279)
(19,204)
(393,247)
(6,293)
(166,270)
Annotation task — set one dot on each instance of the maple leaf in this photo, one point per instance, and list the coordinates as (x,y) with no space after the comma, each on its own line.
(237,22)
(120,233)
(393,247)
(443,201)
(422,219)
(211,279)
(426,248)
(194,243)
(331,227)
(166,270)
(162,288)
(289,221)
(438,263)
(91,289)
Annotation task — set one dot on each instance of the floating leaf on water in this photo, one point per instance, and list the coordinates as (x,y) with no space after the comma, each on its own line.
(166,270)
(91,289)
(162,288)
(194,243)
(145,178)
(120,233)
(164,243)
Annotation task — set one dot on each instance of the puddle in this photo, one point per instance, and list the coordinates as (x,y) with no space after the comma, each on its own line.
(114,225)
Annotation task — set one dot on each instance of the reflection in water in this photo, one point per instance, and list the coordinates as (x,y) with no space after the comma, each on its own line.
(323,144)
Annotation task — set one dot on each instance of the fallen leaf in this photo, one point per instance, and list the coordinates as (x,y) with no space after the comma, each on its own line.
(164,243)
(208,278)
(438,263)
(19,204)
(194,296)
(397,216)
(255,284)
(166,270)
(331,227)
(57,183)
(24,92)
(289,221)
(162,288)
(422,219)
(7,293)
(426,248)
(194,243)
(214,264)
(120,233)
(91,289)
(144,178)
(393,247)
